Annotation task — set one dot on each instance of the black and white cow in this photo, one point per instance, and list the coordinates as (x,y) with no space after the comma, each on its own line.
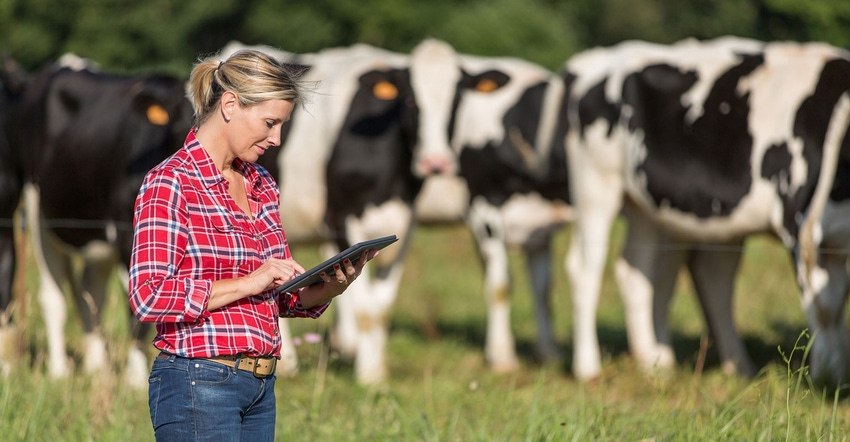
(704,143)
(83,140)
(505,191)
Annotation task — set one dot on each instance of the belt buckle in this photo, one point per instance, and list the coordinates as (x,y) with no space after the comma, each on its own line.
(257,365)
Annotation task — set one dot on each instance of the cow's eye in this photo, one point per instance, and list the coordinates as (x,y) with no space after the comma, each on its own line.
(384,90)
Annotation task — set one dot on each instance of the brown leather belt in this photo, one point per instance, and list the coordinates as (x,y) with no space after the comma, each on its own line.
(260,366)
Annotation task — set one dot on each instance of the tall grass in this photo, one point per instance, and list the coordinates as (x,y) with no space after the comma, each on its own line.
(440,388)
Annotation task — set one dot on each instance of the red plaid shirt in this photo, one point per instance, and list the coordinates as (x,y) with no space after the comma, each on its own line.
(189,232)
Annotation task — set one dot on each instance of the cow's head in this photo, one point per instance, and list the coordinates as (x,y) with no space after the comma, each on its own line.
(435,76)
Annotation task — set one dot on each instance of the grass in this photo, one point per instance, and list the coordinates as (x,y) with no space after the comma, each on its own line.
(441,390)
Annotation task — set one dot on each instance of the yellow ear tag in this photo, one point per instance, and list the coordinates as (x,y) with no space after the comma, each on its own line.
(157,115)
(486,85)
(384,90)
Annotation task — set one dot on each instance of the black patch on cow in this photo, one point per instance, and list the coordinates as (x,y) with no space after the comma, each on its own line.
(810,125)
(371,161)
(702,168)
(841,186)
(497,171)
(594,106)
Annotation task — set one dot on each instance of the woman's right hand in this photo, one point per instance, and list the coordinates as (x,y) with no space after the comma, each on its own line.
(273,273)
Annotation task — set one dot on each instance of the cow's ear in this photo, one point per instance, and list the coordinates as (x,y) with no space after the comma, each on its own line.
(489,81)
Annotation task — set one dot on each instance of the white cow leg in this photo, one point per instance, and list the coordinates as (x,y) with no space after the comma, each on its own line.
(345,329)
(713,273)
(373,296)
(55,312)
(499,347)
(830,353)
(635,271)
(52,268)
(287,366)
(585,265)
(90,304)
(343,337)
(136,368)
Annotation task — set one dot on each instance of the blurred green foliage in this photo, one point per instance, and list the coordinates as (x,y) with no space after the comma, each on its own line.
(168,35)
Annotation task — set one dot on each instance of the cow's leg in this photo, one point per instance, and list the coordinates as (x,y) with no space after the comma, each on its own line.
(713,273)
(585,265)
(635,271)
(670,255)
(99,261)
(9,198)
(137,368)
(53,267)
(10,194)
(824,300)
(7,276)
(539,264)
(373,300)
(344,332)
(374,292)
(499,347)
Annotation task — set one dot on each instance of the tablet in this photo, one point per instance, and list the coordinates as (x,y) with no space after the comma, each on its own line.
(311,276)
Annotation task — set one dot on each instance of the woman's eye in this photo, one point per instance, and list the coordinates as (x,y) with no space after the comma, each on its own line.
(270,124)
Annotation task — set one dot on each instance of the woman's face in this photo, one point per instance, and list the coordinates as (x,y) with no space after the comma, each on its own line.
(254,129)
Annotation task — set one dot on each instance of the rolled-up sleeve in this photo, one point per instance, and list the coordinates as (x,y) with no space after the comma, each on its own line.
(160,239)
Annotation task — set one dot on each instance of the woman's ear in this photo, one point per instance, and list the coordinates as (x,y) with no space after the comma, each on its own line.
(229,102)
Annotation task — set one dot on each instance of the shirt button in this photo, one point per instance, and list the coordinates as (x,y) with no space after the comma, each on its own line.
(270,301)
(275,330)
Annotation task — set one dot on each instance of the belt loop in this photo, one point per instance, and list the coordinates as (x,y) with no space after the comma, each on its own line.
(238,361)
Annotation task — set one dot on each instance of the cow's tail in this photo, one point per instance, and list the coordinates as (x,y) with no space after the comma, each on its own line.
(835,134)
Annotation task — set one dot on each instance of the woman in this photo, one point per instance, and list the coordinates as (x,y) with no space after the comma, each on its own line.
(208,252)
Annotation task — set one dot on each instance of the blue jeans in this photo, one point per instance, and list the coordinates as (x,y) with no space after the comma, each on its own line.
(200,400)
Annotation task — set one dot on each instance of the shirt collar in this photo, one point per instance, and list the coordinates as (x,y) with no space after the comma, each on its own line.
(209,172)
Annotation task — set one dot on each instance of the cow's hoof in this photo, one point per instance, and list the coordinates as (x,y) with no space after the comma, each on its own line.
(505,366)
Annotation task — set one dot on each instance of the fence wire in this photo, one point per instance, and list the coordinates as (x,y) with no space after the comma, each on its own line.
(669,246)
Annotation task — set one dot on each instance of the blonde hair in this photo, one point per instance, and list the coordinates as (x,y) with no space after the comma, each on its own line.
(253,75)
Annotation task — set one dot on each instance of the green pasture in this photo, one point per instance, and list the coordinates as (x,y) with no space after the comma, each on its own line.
(440,388)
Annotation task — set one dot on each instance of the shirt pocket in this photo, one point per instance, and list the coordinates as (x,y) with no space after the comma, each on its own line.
(228,247)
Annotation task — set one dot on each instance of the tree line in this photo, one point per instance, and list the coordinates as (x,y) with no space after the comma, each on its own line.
(169,35)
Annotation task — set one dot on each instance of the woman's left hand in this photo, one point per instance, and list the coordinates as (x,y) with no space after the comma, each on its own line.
(346,272)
